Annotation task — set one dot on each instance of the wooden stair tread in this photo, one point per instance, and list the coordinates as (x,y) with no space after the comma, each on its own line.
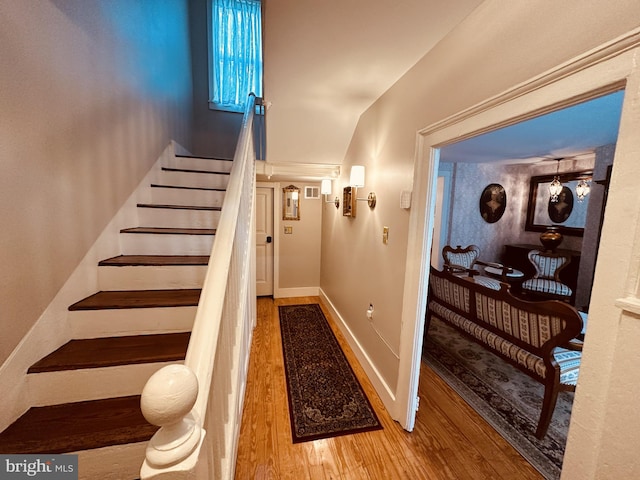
(212,189)
(170,231)
(154,260)
(114,351)
(107,422)
(72,427)
(191,170)
(178,207)
(116,299)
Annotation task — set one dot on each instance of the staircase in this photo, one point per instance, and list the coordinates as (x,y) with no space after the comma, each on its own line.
(139,321)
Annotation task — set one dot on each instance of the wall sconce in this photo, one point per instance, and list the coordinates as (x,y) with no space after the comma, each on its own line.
(356,180)
(325,189)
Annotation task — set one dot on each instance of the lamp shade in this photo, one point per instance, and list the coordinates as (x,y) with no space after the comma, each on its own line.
(555,188)
(325,187)
(357,176)
(582,189)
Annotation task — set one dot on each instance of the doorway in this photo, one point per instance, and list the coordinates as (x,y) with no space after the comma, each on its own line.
(573,140)
(568,85)
(613,309)
(505,397)
(264,241)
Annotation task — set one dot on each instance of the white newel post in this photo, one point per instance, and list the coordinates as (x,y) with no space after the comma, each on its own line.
(198,405)
(167,400)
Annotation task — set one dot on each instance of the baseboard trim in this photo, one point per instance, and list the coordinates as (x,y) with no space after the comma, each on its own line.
(297,292)
(382,388)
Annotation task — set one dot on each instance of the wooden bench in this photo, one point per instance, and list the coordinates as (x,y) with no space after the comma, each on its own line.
(538,338)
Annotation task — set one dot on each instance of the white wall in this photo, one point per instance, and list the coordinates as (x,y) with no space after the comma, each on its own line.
(91,93)
(493,50)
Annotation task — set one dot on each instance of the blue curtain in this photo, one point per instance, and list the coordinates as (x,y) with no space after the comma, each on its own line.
(237,52)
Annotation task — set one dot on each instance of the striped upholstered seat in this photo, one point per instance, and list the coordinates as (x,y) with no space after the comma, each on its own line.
(546,281)
(539,338)
(467,259)
(568,360)
(461,257)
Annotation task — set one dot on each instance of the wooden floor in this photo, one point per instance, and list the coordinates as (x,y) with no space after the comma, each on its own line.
(450,441)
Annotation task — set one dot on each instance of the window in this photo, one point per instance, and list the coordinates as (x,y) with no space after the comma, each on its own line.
(235,53)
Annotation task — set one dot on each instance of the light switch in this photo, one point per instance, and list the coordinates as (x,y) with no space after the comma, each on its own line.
(385,235)
(405,199)
(288,230)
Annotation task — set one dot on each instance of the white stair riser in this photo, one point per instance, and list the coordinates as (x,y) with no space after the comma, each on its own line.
(190,179)
(111,463)
(165,244)
(181,196)
(178,218)
(206,164)
(53,388)
(130,321)
(136,277)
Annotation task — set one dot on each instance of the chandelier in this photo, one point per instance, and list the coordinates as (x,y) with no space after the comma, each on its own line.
(555,187)
(582,189)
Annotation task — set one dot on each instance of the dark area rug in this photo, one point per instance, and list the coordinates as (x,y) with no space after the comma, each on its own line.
(506,398)
(325,397)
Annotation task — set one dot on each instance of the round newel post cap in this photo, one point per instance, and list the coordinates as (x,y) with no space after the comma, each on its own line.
(167,400)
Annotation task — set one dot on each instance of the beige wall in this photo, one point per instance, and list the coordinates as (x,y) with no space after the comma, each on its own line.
(494,49)
(91,92)
(299,252)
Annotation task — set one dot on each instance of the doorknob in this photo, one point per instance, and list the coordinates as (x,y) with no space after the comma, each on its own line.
(269,239)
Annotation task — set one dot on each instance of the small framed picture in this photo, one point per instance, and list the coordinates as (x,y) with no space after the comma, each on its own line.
(493,202)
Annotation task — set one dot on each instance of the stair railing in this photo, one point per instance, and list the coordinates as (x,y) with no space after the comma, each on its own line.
(198,405)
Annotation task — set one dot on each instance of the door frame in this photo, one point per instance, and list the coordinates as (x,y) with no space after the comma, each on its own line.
(616,293)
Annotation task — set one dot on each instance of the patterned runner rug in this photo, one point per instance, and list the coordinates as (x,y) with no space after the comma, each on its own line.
(506,398)
(325,397)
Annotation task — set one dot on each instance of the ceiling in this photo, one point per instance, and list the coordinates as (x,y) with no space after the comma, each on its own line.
(566,133)
(326,62)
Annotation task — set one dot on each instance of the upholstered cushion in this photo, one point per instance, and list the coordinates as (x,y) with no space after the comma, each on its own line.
(546,266)
(495,342)
(546,286)
(568,360)
(487,282)
(464,259)
(528,326)
(450,292)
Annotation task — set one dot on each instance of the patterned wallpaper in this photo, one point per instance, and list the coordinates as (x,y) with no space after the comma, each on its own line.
(466,226)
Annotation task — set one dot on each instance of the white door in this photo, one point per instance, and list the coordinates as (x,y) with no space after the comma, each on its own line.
(264,241)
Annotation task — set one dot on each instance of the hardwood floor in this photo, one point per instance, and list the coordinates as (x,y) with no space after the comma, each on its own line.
(450,441)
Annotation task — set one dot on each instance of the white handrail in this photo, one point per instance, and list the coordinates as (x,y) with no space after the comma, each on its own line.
(198,405)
